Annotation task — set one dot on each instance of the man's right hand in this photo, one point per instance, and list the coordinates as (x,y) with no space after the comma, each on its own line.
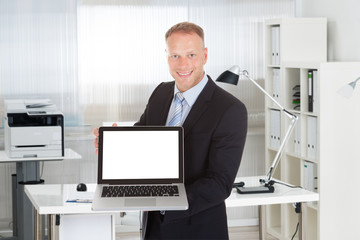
(96,140)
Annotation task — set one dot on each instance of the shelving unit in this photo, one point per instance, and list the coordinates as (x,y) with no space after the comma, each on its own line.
(323,154)
(301,47)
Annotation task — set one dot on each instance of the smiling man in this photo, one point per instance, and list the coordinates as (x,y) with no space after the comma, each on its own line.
(215,126)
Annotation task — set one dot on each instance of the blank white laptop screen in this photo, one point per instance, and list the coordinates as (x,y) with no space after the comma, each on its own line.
(130,157)
(140,155)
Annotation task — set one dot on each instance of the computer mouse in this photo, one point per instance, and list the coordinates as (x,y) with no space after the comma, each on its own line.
(81,187)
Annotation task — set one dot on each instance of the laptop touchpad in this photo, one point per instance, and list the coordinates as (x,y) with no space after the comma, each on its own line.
(140,202)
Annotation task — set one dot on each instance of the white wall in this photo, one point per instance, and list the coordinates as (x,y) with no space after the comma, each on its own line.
(343,25)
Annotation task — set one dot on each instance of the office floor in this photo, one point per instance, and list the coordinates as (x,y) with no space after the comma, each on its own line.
(235,233)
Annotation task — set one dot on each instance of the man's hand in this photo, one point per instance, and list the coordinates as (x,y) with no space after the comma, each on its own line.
(96,140)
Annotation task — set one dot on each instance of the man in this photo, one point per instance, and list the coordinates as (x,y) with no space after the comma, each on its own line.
(215,126)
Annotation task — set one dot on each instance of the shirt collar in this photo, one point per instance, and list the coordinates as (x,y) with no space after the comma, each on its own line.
(192,94)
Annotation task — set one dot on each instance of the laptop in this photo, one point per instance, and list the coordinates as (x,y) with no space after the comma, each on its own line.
(140,168)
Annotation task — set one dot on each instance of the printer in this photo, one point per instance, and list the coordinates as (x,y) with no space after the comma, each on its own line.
(33,128)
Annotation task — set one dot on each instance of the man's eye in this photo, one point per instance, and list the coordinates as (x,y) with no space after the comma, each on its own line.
(192,55)
(174,56)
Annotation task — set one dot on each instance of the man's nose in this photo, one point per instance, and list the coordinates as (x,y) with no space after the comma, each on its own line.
(184,62)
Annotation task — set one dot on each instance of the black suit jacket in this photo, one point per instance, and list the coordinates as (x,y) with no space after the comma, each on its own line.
(215,133)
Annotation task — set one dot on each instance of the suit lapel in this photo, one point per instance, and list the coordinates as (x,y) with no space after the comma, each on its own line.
(200,106)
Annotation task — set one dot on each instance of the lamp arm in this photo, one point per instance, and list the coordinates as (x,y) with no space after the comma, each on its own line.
(289,114)
(293,118)
(246,74)
(280,151)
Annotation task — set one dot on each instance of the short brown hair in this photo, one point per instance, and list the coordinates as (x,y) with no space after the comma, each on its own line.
(186,27)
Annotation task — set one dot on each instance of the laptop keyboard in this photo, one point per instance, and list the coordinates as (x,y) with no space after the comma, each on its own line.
(140,191)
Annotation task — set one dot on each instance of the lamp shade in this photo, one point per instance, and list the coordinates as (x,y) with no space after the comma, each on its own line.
(348,89)
(230,76)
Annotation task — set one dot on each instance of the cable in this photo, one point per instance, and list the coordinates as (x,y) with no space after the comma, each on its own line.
(285,184)
(296,206)
(297,228)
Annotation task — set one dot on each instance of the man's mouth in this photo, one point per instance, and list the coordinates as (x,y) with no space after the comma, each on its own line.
(184,74)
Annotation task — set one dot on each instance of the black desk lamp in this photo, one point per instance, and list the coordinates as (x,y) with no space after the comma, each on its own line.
(266,185)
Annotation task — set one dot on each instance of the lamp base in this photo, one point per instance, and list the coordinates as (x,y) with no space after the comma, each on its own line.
(253,190)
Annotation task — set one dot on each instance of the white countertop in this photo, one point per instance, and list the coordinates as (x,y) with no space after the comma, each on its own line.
(69,154)
(282,194)
(51,198)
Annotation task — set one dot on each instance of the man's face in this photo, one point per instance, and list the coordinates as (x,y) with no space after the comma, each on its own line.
(186,58)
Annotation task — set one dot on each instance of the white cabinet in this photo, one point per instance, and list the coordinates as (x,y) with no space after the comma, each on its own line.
(339,152)
(87,226)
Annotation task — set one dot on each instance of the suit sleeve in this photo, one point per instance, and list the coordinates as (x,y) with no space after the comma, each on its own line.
(225,152)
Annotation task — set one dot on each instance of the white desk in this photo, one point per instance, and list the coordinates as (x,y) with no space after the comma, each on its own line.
(282,194)
(27,172)
(69,154)
(68,220)
(51,199)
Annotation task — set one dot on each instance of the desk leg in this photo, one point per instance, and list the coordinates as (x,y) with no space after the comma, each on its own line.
(26,173)
(14,204)
(261,224)
(52,228)
(37,226)
(300,222)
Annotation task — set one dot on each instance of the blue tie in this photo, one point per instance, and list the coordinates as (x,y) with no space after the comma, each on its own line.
(176,116)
